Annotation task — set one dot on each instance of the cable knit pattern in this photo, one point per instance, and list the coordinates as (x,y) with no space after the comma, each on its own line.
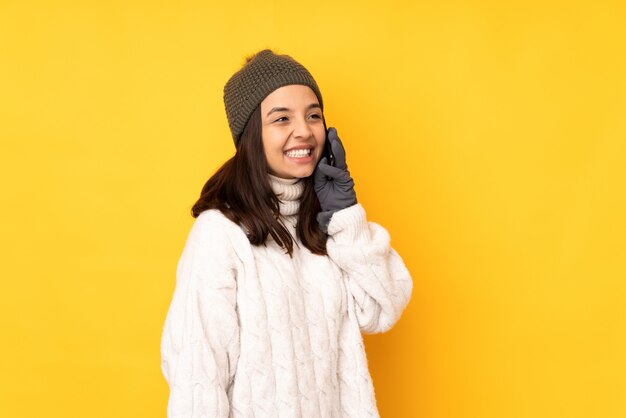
(251,332)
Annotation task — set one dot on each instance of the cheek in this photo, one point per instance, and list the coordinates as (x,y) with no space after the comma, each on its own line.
(321,139)
(271,144)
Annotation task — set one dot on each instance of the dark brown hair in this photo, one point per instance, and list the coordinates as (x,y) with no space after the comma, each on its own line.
(241,190)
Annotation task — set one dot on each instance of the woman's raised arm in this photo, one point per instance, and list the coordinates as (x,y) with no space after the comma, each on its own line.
(376,277)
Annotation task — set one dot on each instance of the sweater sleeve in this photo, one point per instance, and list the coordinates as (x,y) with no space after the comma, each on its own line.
(376,277)
(200,340)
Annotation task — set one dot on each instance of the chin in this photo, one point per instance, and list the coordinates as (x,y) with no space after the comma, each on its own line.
(305,173)
(299,173)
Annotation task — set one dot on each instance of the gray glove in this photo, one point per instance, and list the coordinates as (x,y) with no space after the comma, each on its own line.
(334,185)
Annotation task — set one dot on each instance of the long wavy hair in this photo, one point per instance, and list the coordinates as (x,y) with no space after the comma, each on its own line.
(241,190)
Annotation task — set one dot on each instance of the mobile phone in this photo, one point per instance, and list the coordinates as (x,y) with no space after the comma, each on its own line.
(328,152)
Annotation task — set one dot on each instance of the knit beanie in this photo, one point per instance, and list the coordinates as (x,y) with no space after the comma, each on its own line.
(263,73)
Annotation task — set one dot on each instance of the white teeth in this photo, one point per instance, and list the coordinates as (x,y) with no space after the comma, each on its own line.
(298,153)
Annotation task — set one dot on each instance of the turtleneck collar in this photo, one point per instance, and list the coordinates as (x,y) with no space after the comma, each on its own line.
(289,191)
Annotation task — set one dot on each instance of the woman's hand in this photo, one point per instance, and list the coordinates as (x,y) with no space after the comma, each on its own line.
(334,185)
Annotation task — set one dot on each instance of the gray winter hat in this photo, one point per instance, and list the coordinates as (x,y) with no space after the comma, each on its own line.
(262,73)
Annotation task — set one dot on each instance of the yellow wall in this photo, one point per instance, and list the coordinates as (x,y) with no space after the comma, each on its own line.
(489,138)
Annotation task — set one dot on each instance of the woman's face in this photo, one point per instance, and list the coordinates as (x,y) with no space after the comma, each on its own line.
(292,120)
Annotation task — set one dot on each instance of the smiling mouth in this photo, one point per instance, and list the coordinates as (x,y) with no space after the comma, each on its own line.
(301,153)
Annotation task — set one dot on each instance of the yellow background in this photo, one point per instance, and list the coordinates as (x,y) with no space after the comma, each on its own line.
(489,138)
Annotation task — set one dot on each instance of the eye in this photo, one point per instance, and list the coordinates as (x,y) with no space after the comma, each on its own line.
(279,119)
(316,115)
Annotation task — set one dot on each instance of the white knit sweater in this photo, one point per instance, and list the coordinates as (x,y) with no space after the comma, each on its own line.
(251,332)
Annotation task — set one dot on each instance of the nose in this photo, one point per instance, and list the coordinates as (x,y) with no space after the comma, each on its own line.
(302,129)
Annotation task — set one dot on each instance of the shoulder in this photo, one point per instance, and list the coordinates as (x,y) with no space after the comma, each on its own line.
(212,240)
(213,221)
(214,228)
(215,218)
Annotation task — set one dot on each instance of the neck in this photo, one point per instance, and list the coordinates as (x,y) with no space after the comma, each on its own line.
(289,192)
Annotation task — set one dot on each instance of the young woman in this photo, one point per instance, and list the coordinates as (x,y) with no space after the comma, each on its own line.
(281,272)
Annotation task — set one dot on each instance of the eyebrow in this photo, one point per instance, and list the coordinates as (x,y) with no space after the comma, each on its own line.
(284,109)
